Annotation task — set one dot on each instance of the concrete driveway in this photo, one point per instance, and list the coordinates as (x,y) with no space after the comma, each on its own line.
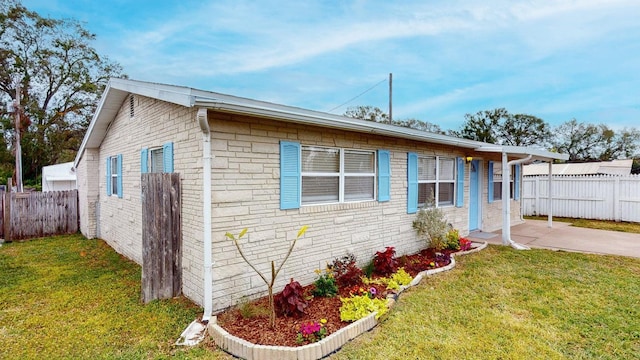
(563,236)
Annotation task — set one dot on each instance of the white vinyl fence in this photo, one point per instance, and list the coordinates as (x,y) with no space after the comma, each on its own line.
(599,197)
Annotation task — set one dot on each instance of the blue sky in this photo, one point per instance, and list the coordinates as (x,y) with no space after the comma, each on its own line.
(555,59)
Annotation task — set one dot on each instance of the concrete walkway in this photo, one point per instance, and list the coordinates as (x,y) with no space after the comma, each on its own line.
(562,236)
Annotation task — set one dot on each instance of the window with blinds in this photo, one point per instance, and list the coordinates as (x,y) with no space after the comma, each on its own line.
(436,180)
(156,157)
(497,181)
(114,175)
(333,175)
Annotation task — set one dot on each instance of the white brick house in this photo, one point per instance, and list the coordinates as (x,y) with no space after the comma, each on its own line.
(273,168)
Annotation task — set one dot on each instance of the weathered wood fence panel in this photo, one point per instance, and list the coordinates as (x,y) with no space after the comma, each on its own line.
(599,197)
(161,236)
(39,214)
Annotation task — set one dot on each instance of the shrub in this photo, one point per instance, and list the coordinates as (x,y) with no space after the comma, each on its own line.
(465,244)
(431,225)
(291,301)
(358,307)
(346,271)
(402,277)
(325,284)
(453,240)
(384,262)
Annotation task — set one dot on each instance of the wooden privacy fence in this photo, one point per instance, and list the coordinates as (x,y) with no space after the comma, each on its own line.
(161,236)
(599,197)
(38,214)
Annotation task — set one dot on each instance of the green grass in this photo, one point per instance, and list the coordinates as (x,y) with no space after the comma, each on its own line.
(507,304)
(622,226)
(68,297)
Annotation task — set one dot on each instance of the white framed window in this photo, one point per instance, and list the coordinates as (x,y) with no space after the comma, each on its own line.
(437,180)
(156,159)
(335,175)
(114,175)
(497,181)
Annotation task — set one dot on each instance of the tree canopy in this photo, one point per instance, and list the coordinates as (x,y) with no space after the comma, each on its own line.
(62,77)
(588,142)
(581,141)
(498,126)
(372,113)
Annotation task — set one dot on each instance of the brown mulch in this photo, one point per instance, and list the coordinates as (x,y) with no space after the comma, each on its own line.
(256,330)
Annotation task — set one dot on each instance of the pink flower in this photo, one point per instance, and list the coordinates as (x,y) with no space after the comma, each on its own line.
(373,291)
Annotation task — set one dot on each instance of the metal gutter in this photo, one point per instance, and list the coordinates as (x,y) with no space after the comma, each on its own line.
(308,117)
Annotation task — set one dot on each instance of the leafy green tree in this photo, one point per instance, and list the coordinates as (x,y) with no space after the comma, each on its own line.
(588,142)
(372,113)
(62,77)
(367,112)
(419,125)
(483,125)
(498,126)
(617,145)
(525,130)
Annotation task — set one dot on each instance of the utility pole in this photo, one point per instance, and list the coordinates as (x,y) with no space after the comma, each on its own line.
(390,98)
(17,108)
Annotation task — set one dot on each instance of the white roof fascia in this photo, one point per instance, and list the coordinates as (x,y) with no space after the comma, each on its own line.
(117,90)
(309,117)
(537,154)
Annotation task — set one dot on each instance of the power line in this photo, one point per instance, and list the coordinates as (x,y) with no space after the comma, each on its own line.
(357,96)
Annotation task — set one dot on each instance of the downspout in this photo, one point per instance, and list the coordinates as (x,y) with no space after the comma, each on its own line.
(506,201)
(203,121)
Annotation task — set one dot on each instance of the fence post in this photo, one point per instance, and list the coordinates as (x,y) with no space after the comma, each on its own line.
(616,199)
(536,194)
(7,211)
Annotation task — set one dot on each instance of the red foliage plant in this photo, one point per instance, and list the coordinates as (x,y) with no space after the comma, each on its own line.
(291,301)
(346,272)
(384,263)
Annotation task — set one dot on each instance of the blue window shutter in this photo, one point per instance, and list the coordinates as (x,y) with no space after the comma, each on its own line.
(412,180)
(516,182)
(490,182)
(108,176)
(290,175)
(384,176)
(460,183)
(144,161)
(167,157)
(119,175)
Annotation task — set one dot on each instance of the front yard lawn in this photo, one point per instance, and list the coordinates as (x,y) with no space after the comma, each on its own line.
(68,297)
(507,304)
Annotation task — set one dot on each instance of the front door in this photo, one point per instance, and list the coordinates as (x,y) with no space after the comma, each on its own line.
(474,195)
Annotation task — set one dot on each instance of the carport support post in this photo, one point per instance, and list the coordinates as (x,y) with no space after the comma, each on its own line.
(550,196)
(506,203)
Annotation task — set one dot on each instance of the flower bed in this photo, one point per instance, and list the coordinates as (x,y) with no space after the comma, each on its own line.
(244,331)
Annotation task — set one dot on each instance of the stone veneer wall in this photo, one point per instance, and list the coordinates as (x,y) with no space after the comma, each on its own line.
(246,180)
(88,192)
(154,123)
(245,193)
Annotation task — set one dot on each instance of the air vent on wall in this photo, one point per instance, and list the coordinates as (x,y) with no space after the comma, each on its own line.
(131,108)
